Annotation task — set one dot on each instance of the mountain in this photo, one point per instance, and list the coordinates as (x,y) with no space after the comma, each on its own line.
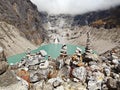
(21,17)
(103,26)
(23,26)
(24,16)
(106,18)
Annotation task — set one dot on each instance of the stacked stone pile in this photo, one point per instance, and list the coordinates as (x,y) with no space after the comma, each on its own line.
(80,71)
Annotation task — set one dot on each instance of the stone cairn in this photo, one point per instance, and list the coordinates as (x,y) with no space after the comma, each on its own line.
(88,45)
(63,52)
(77,57)
(89,55)
(80,71)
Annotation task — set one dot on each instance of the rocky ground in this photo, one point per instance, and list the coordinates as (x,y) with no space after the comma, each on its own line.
(102,39)
(86,71)
(22,26)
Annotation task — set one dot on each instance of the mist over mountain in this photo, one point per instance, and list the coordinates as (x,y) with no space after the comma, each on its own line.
(32,26)
(74,6)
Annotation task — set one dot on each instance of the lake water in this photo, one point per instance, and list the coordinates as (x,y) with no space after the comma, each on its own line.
(52,50)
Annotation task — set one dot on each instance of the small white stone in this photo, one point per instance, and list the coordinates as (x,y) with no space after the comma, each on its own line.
(1,49)
(79,49)
(43,52)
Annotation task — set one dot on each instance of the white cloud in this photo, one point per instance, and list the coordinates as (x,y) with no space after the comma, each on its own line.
(74,6)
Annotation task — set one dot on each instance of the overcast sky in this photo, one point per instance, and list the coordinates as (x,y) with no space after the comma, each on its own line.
(74,6)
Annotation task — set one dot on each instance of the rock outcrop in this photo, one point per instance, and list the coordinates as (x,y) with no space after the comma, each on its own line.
(9,81)
(3,63)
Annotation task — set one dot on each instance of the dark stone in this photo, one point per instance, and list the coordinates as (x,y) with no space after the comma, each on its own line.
(3,67)
(3,64)
(7,78)
(112,84)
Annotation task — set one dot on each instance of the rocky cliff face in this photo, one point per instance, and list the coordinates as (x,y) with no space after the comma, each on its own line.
(20,26)
(23,15)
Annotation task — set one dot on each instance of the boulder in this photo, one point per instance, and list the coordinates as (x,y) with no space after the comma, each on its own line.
(91,57)
(37,85)
(43,73)
(36,61)
(41,85)
(55,81)
(115,61)
(79,73)
(34,78)
(64,72)
(44,65)
(112,83)
(17,86)
(118,85)
(94,67)
(47,86)
(93,85)
(9,81)
(74,86)
(3,67)
(43,52)
(104,87)
(52,73)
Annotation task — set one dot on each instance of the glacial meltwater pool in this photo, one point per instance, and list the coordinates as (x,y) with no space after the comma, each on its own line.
(52,50)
